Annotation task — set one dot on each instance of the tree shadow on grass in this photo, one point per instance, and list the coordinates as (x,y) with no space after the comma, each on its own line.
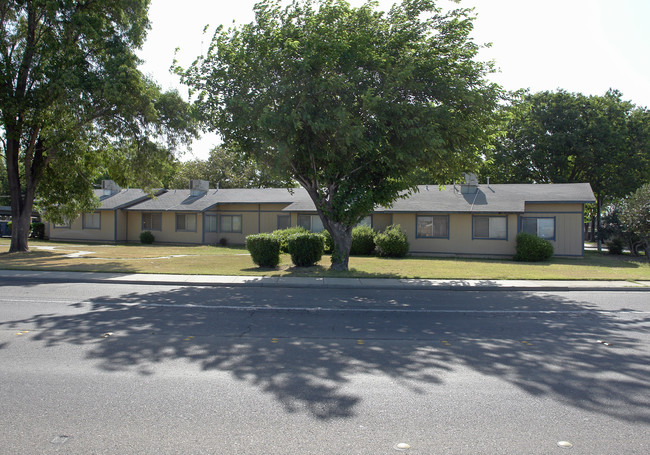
(303,347)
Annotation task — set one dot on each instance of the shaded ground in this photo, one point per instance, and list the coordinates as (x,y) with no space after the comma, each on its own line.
(305,353)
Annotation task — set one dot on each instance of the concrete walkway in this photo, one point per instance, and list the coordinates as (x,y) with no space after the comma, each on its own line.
(322,283)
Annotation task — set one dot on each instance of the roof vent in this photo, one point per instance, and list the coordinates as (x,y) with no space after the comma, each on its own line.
(471,183)
(110,188)
(199,187)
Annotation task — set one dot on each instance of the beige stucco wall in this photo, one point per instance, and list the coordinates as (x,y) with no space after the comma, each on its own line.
(257,218)
(106,232)
(460,237)
(568,232)
(380,221)
(569,219)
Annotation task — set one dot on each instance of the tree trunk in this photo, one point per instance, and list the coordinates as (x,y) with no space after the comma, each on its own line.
(597,227)
(21,204)
(20,232)
(342,238)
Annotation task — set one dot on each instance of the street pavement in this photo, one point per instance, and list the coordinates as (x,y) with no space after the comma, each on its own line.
(325,282)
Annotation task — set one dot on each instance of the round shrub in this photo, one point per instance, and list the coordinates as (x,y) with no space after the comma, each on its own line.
(363,241)
(328,241)
(305,249)
(615,245)
(531,248)
(283,236)
(147,237)
(264,249)
(392,242)
(37,231)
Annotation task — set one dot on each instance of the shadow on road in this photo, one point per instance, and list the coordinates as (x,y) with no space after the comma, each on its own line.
(304,357)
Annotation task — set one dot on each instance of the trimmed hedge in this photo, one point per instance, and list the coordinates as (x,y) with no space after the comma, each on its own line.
(147,237)
(305,249)
(264,249)
(283,236)
(392,242)
(531,248)
(363,241)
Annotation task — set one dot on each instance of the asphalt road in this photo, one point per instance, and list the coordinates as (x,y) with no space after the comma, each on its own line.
(110,368)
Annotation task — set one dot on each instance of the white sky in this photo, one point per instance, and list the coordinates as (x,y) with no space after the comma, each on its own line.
(585,46)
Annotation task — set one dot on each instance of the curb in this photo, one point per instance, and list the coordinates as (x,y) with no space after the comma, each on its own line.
(324,283)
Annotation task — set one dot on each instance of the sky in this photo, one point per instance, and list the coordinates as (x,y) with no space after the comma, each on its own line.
(585,46)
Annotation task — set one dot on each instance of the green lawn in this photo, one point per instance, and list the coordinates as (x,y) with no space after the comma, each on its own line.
(210,260)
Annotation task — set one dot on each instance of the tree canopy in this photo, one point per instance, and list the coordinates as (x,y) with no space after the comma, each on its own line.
(349,101)
(225,168)
(74,105)
(635,215)
(562,137)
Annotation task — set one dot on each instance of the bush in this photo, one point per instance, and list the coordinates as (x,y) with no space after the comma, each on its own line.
(392,242)
(147,237)
(305,249)
(264,249)
(283,236)
(328,241)
(531,248)
(223,241)
(615,245)
(363,241)
(37,231)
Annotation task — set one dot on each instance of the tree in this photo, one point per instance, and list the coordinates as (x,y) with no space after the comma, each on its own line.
(348,101)
(73,105)
(561,137)
(226,168)
(635,215)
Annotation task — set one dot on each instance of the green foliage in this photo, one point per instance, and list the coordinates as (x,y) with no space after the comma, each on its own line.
(561,137)
(531,248)
(328,242)
(615,245)
(348,101)
(147,238)
(264,249)
(37,231)
(226,168)
(75,106)
(635,215)
(392,242)
(305,249)
(363,241)
(283,236)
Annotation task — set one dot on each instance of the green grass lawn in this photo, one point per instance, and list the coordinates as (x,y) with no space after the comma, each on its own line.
(211,260)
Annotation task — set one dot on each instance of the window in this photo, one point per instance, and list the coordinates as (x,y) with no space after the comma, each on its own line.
(91,220)
(490,227)
(435,227)
(366,221)
(284,221)
(543,228)
(312,223)
(65,224)
(231,223)
(186,222)
(152,221)
(210,223)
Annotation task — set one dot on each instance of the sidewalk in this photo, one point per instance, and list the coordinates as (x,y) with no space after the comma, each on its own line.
(322,283)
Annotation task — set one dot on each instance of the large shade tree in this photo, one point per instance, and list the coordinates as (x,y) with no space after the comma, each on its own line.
(349,101)
(562,137)
(74,105)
